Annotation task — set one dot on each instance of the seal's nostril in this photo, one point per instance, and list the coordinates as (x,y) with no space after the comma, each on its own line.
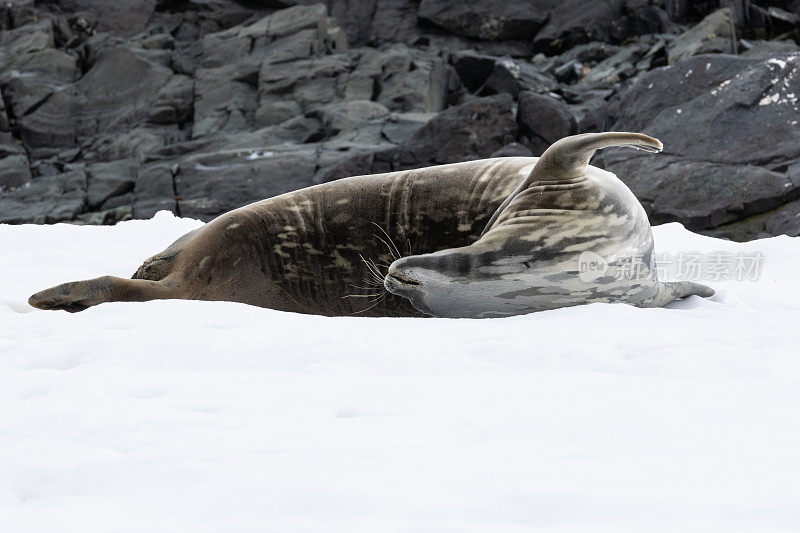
(403,280)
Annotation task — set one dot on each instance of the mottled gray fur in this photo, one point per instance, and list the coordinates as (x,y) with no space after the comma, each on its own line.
(570,234)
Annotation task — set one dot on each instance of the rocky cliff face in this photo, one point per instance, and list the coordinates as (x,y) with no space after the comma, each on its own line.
(112,110)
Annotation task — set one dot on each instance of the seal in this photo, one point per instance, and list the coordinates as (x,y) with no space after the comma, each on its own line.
(321,250)
(326,249)
(569,234)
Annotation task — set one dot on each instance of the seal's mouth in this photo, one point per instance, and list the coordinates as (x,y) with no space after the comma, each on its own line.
(402,280)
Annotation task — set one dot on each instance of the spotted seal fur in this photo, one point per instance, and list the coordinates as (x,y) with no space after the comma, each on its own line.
(569,234)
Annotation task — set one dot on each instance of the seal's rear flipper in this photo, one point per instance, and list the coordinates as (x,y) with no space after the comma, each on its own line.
(79,295)
(673,290)
(567,158)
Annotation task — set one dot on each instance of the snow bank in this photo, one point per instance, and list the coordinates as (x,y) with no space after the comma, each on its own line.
(174,416)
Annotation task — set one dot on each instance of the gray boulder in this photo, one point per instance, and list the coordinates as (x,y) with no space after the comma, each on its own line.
(122,18)
(109,180)
(45,200)
(574,22)
(512,76)
(729,127)
(543,120)
(248,176)
(471,130)
(491,21)
(14,172)
(715,33)
(154,190)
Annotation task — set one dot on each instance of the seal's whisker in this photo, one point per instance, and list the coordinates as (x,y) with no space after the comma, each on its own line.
(369,283)
(396,255)
(373,270)
(391,250)
(377,301)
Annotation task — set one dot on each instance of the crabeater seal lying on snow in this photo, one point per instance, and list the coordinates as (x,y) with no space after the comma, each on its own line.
(487,238)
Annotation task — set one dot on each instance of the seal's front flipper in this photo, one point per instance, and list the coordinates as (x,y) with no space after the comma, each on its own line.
(79,295)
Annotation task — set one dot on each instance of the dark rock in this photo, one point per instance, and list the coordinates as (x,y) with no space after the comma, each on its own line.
(174,101)
(48,199)
(543,120)
(397,128)
(135,143)
(247,69)
(222,102)
(491,21)
(345,116)
(647,17)
(512,150)
(446,44)
(279,37)
(576,22)
(398,77)
(106,180)
(512,76)
(276,112)
(154,191)
(472,130)
(715,33)
(766,48)
(591,115)
(617,67)
(337,165)
(569,72)
(54,123)
(473,68)
(14,172)
(248,177)
(106,217)
(393,20)
(702,195)
(588,54)
(785,221)
(720,108)
(729,127)
(27,39)
(122,18)
(117,93)
(309,82)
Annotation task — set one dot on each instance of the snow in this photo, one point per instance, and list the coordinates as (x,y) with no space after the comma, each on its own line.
(173,416)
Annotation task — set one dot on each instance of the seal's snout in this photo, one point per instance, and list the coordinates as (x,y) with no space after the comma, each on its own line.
(399,279)
(397,283)
(403,280)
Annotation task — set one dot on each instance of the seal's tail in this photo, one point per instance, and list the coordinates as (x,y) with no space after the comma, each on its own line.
(79,295)
(566,159)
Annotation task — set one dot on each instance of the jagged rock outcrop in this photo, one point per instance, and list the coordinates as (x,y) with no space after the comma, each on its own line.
(730,131)
(117,110)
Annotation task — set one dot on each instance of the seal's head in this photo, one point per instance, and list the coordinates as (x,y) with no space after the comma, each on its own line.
(528,257)
(434,283)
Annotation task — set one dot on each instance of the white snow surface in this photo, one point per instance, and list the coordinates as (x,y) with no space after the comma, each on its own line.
(173,416)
